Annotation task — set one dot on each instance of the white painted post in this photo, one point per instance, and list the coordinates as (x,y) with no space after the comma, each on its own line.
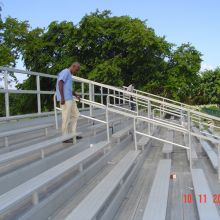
(38,94)
(123,96)
(101,95)
(107,120)
(219,161)
(82,92)
(190,144)
(200,123)
(163,107)
(135,135)
(55,111)
(148,115)
(160,112)
(181,112)
(90,98)
(114,96)
(6,94)
(108,97)
(136,102)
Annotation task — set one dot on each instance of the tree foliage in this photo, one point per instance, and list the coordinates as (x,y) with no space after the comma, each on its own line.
(115,50)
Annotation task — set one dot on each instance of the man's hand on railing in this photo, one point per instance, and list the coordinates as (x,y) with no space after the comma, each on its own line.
(62,102)
(78,97)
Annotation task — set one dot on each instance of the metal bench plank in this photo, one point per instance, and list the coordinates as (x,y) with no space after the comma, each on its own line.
(96,199)
(21,152)
(206,210)
(159,192)
(122,132)
(24,190)
(210,153)
(23,130)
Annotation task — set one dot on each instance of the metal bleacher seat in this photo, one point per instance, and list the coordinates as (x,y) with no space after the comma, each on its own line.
(32,188)
(94,203)
(206,210)
(167,147)
(213,157)
(6,134)
(123,132)
(157,200)
(39,147)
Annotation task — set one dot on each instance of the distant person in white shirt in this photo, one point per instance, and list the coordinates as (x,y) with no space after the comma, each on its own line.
(131,89)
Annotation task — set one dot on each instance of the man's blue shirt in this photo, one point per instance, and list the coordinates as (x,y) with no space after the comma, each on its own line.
(66,76)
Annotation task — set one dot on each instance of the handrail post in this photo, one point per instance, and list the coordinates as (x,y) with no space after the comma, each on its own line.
(55,111)
(149,115)
(38,94)
(160,112)
(90,98)
(163,107)
(82,92)
(136,100)
(153,118)
(114,96)
(135,135)
(7,111)
(181,113)
(123,96)
(200,126)
(219,161)
(107,120)
(101,95)
(93,92)
(189,140)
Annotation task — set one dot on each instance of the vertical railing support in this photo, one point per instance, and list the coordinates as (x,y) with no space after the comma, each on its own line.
(55,111)
(136,100)
(90,98)
(190,139)
(101,95)
(135,135)
(219,161)
(7,111)
(149,115)
(163,107)
(83,94)
(124,96)
(38,94)
(107,120)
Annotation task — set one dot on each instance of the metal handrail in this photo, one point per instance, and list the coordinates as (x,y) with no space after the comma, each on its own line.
(185,112)
(160,97)
(115,89)
(85,101)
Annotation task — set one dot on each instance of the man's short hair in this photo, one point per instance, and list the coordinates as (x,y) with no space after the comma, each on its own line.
(75,64)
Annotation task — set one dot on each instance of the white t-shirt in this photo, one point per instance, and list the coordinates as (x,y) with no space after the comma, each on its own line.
(130,88)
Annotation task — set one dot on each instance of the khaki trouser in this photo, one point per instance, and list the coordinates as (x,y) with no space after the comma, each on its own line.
(70,114)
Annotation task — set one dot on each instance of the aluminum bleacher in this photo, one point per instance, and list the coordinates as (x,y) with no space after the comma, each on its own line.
(105,175)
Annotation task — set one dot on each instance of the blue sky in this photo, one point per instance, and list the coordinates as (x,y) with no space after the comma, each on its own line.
(194,21)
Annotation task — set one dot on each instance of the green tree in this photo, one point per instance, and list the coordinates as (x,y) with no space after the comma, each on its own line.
(112,50)
(208,91)
(183,73)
